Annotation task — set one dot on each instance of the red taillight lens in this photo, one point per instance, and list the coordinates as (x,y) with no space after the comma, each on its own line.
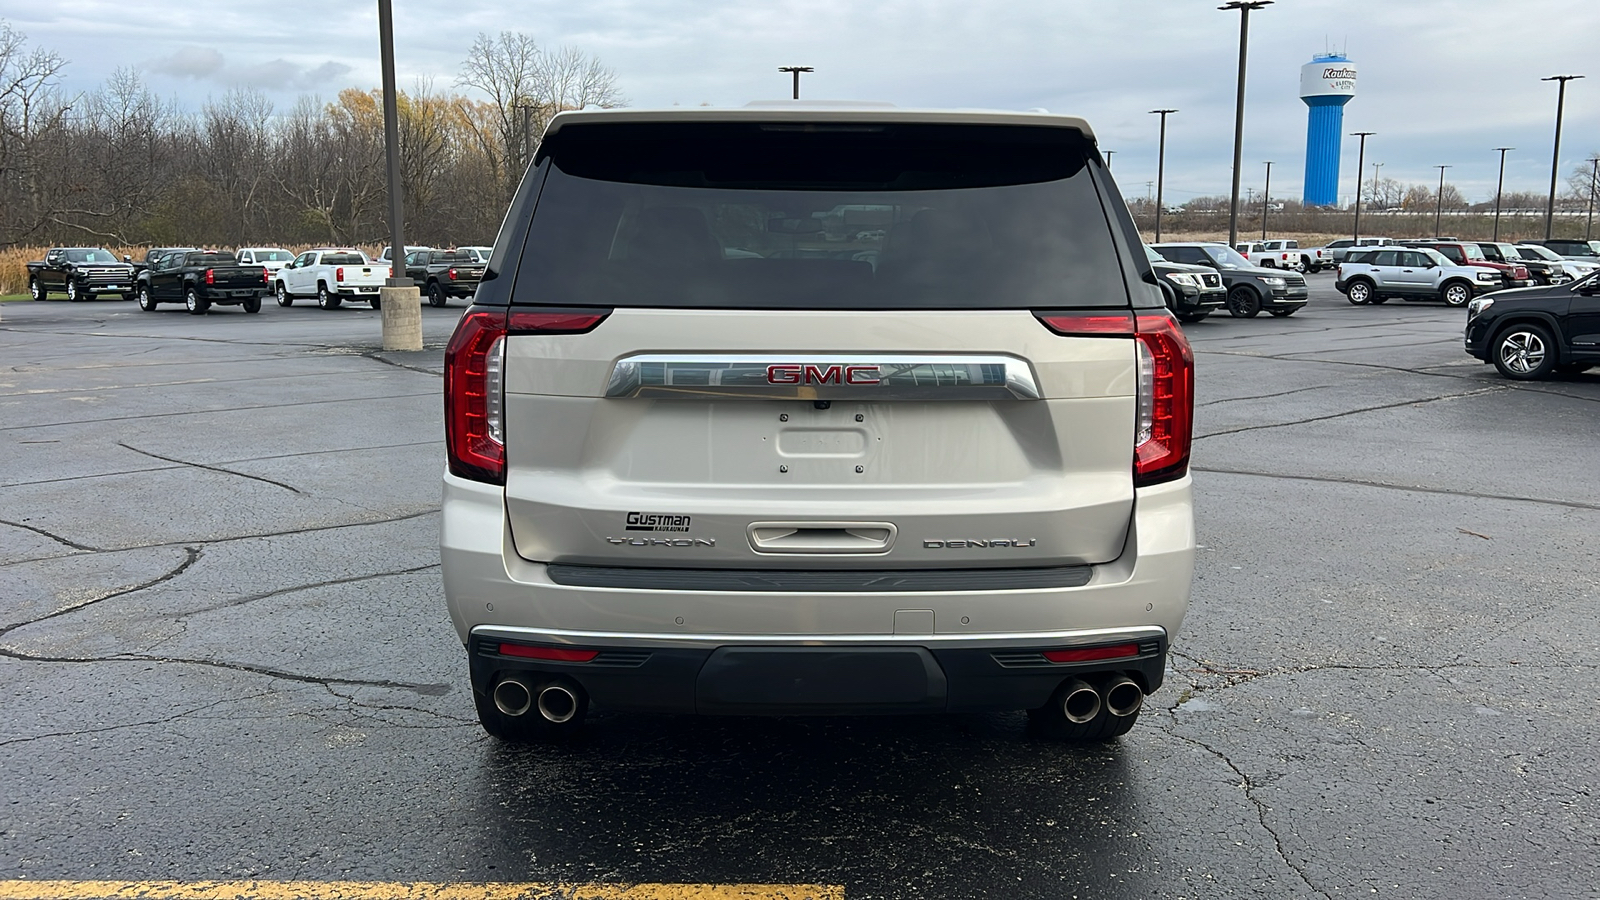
(338,274)
(1083,324)
(472,389)
(211,277)
(1087,654)
(452,274)
(266,275)
(559,654)
(1165,423)
(474,386)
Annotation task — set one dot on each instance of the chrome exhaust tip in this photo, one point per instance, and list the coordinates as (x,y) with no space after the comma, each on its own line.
(557,703)
(1123,696)
(512,697)
(1080,703)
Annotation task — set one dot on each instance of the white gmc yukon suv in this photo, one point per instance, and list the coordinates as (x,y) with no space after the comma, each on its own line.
(811,409)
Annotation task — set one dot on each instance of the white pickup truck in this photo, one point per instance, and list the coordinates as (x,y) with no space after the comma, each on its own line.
(1281,255)
(332,275)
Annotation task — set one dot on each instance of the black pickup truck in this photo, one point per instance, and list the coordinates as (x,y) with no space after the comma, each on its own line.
(443,274)
(141,266)
(200,278)
(80,272)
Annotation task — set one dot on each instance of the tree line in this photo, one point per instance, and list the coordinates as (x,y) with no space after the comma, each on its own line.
(119,165)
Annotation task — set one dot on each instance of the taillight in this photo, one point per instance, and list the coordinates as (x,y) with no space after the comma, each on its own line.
(211,277)
(1165,424)
(452,274)
(474,383)
(266,275)
(338,274)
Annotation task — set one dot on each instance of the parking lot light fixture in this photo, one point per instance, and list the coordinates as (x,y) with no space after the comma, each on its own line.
(1161,164)
(401,302)
(1594,176)
(1266,200)
(1361,164)
(1438,204)
(1498,188)
(1107,155)
(1555,153)
(1244,7)
(795,71)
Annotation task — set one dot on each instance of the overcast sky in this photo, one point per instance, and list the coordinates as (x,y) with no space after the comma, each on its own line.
(1441,81)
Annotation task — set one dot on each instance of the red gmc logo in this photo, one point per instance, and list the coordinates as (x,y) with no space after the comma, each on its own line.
(795,373)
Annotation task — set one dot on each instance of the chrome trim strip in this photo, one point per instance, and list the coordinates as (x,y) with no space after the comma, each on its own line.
(602,639)
(824,376)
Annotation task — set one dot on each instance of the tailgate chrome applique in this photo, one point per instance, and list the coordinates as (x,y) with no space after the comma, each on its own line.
(823,377)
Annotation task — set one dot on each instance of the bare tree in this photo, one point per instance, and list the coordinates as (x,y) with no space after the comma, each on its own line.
(31,111)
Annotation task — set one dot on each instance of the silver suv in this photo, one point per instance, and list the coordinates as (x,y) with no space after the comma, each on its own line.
(1413,273)
(817,410)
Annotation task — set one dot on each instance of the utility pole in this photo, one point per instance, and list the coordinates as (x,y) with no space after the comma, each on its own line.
(1498,188)
(795,71)
(1266,200)
(527,131)
(399,300)
(1107,154)
(1438,206)
(1594,176)
(1161,165)
(1244,7)
(1361,164)
(1555,155)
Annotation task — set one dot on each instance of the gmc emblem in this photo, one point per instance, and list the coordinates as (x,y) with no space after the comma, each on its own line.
(796,373)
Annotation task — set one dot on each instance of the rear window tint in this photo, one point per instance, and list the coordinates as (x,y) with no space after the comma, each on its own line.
(343,259)
(820,217)
(213,259)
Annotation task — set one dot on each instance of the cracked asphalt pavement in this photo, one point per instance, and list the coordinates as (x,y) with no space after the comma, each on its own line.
(225,651)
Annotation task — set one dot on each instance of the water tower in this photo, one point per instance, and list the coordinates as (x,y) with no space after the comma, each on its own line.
(1326,84)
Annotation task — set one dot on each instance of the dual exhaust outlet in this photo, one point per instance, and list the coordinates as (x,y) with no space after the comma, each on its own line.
(555,701)
(1119,695)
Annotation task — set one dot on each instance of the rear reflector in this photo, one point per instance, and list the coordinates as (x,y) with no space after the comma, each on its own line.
(1087,654)
(557,654)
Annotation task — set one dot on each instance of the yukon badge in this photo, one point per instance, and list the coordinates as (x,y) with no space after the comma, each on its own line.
(661,542)
(975,544)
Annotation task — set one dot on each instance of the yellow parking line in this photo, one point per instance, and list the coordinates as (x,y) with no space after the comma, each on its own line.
(400,890)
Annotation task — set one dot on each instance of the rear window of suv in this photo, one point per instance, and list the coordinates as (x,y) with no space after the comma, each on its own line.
(818,216)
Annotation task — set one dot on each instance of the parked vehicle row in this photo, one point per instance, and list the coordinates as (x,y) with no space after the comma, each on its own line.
(1250,289)
(201,278)
(1456,271)
(1285,254)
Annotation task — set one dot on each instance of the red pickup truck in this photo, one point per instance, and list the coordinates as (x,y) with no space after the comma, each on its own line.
(1463,253)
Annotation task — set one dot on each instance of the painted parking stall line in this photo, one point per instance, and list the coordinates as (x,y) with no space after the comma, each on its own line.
(402,890)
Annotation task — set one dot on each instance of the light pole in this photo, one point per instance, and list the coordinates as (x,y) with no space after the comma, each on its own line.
(1244,7)
(1594,175)
(1266,200)
(1107,154)
(795,71)
(1555,154)
(1498,188)
(1161,165)
(1438,206)
(527,132)
(1361,163)
(399,300)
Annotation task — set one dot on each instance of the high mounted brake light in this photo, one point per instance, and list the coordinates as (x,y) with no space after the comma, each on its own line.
(474,383)
(1165,424)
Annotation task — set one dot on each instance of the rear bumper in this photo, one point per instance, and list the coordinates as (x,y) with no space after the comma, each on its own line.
(741,678)
(495,595)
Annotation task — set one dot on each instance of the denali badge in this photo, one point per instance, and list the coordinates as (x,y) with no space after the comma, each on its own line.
(638,521)
(960,545)
(661,542)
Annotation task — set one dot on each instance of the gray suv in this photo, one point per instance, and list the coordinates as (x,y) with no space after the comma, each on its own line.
(806,409)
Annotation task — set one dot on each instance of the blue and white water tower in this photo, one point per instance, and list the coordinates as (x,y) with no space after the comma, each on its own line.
(1326,84)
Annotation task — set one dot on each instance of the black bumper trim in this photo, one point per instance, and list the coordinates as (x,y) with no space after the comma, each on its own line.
(822,581)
